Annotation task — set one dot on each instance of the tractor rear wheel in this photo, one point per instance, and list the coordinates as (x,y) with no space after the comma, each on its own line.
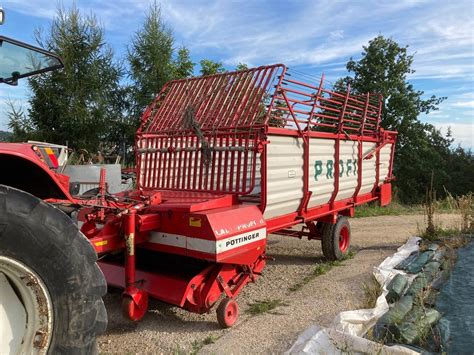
(50,285)
(336,239)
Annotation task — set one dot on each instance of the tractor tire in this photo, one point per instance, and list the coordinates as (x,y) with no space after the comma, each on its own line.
(44,242)
(336,239)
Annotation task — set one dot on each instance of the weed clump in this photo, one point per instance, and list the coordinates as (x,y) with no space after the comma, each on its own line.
(265,306)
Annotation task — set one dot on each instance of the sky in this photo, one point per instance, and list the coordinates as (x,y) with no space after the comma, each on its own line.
(309,36)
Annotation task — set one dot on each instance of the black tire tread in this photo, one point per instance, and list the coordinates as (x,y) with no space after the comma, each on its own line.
(329,243)
(52,245)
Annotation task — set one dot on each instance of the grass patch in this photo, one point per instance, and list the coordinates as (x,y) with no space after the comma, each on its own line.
(265,306)
(372,291)
(449,204)
(394,209)
(320,269)
(461,205)
(199,344)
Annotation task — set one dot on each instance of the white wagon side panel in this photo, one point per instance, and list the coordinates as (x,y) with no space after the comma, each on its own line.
(285,172)
(284,175)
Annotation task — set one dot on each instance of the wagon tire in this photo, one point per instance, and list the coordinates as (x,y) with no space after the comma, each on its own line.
(227,312)
(45,241)
(336,239)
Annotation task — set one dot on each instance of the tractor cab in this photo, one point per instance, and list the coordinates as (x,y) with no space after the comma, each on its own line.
(20,60)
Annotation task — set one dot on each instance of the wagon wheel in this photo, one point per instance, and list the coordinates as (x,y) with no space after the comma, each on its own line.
(336,239)
(136,309)
(50,284)
(227,312)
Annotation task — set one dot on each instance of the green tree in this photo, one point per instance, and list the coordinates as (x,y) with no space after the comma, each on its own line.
(5,136)
(241,66)
(421,148)
(150,57)
(79,104)
(183,65)
(209,67)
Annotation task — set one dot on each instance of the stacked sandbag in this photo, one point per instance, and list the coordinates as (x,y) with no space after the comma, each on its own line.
(417,265)
(396,288)
(411,317)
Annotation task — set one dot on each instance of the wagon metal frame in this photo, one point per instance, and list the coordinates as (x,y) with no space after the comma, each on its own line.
(221,161)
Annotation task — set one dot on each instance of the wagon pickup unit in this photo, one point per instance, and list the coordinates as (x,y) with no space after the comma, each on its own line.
(221,162)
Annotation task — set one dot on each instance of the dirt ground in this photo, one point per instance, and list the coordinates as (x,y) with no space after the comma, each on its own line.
(167,329)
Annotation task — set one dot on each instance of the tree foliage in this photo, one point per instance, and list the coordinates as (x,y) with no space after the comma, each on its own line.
(241,66)
(183,65)
(421,148)
(209,67)
(153,61)
(150,57)
(80,104)
(5,136)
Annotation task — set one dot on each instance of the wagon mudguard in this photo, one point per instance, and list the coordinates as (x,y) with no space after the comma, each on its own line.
(24,170)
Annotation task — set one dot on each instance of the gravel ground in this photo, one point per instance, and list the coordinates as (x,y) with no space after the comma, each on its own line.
(168,329)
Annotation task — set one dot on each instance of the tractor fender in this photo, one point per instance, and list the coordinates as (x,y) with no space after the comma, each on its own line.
(22,169)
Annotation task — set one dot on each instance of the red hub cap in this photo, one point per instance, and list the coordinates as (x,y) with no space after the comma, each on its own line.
(231,313)
(227,312)
(344,239)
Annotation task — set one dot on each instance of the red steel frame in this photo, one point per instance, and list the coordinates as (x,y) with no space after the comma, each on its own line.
(229,112)
(197,154)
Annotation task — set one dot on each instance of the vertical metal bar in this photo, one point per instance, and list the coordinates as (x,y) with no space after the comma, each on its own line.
(239,163)
(343,111)
(197,155)
(213,166)
(147,163)
(246,157)
(219,167)
(182,184)
(174,155)
(138,161)
(392,155)
(177,184)
(263,179)
(379,114)
(154,158)
(364,116)
(166,163)
(377,165)
(359,169)
(201,169)
(129,234)
(190,160)
(253,168)
(226,157)
(232,164)
(337,143)
(160,144)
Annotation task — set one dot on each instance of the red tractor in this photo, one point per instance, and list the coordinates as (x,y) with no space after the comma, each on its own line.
(221,162)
